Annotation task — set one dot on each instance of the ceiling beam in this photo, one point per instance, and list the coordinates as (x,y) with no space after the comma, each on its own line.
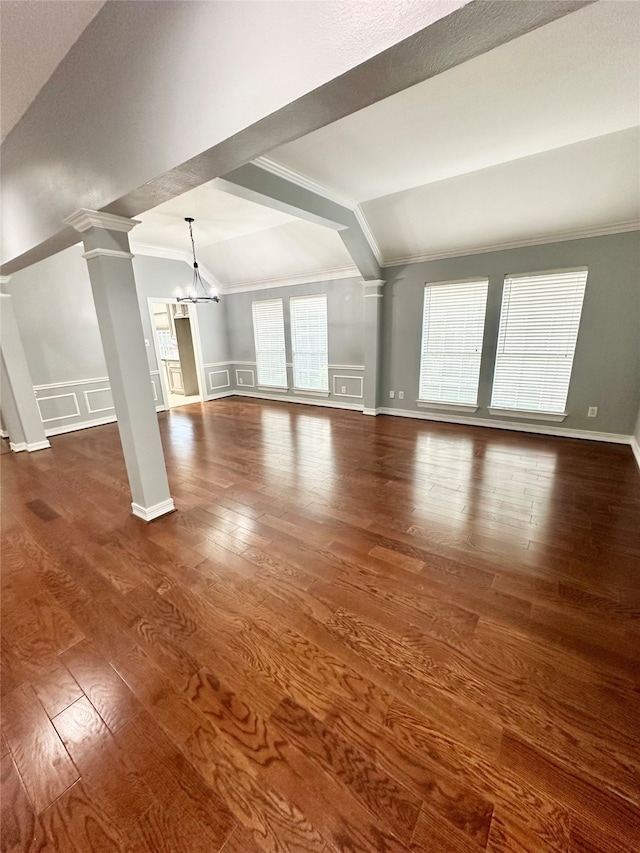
(120,129)
(263,187)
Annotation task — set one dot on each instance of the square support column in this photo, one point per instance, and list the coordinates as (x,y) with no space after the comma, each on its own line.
(19,407)
(113,284)
(372,344)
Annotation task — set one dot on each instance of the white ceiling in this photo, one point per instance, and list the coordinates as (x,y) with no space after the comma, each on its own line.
(239,241)
(574,79)
(35,35)
(533,141)
(577,189)
(218,216)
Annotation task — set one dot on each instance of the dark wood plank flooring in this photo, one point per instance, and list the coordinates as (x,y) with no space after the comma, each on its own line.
(356,634)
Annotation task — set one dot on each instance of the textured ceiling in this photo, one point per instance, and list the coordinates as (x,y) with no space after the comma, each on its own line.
(35,35)
(535,140)
(574,79)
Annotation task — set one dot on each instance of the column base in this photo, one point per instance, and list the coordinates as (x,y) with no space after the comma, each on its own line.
(151,512)
(370,411)
(36,445)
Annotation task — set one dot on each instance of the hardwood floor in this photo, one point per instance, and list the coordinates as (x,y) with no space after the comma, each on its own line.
(356,634)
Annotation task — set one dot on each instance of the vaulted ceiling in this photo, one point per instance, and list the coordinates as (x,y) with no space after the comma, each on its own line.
(534,141)
(35,35)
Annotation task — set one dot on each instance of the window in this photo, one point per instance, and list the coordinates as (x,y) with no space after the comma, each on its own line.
(309,343)
(537,340)
(452,332)
(268,334)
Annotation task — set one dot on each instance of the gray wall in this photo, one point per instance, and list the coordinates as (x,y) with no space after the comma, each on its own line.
(163,277)
(345,313)
(55,313)
(56,316)
(606,370)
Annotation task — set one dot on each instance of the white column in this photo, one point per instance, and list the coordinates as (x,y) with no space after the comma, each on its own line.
(113,284)
(19,407)
(372,344)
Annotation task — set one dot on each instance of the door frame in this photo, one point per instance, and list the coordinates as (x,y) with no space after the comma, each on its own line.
(195,336)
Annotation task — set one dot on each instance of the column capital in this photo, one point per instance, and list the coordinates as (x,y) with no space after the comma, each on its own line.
(83,220)
(4,280)
(373,288)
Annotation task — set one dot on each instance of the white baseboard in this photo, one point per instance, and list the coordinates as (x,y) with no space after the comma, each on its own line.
(373,412)
(107,419)
(155,511)
(636,449)
(59,430)
(4,433)
(329,404)
(18,447)
(219,396)
(542,429)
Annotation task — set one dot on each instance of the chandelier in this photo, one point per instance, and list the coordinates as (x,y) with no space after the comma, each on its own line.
(197,291)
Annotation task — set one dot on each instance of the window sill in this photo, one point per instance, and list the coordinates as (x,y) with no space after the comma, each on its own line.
(447,407)
(308,393)
(281,388)
(554,417)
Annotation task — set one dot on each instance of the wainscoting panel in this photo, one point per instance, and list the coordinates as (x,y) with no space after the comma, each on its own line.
(98,400)
(347,386)
(58,407)
(219,379)
(245,377)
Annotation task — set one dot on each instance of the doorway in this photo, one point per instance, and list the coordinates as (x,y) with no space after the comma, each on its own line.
(176,343)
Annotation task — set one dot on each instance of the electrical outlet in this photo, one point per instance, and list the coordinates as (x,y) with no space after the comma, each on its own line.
(592,412)
(400,395)
(146,342)
(392,394)
(343,389)
(240,381)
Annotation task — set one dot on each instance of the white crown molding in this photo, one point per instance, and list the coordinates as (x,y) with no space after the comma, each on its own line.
(84,219)
(155,511)
(368,234)
(151,251)
(561,237)
(303,181)
(106,253)
(319,189)
(5,279)
(289,281)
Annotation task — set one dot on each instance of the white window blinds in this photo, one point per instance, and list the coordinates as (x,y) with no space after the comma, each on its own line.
(537,340)
(452,332)
(268,334)
(309,342)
